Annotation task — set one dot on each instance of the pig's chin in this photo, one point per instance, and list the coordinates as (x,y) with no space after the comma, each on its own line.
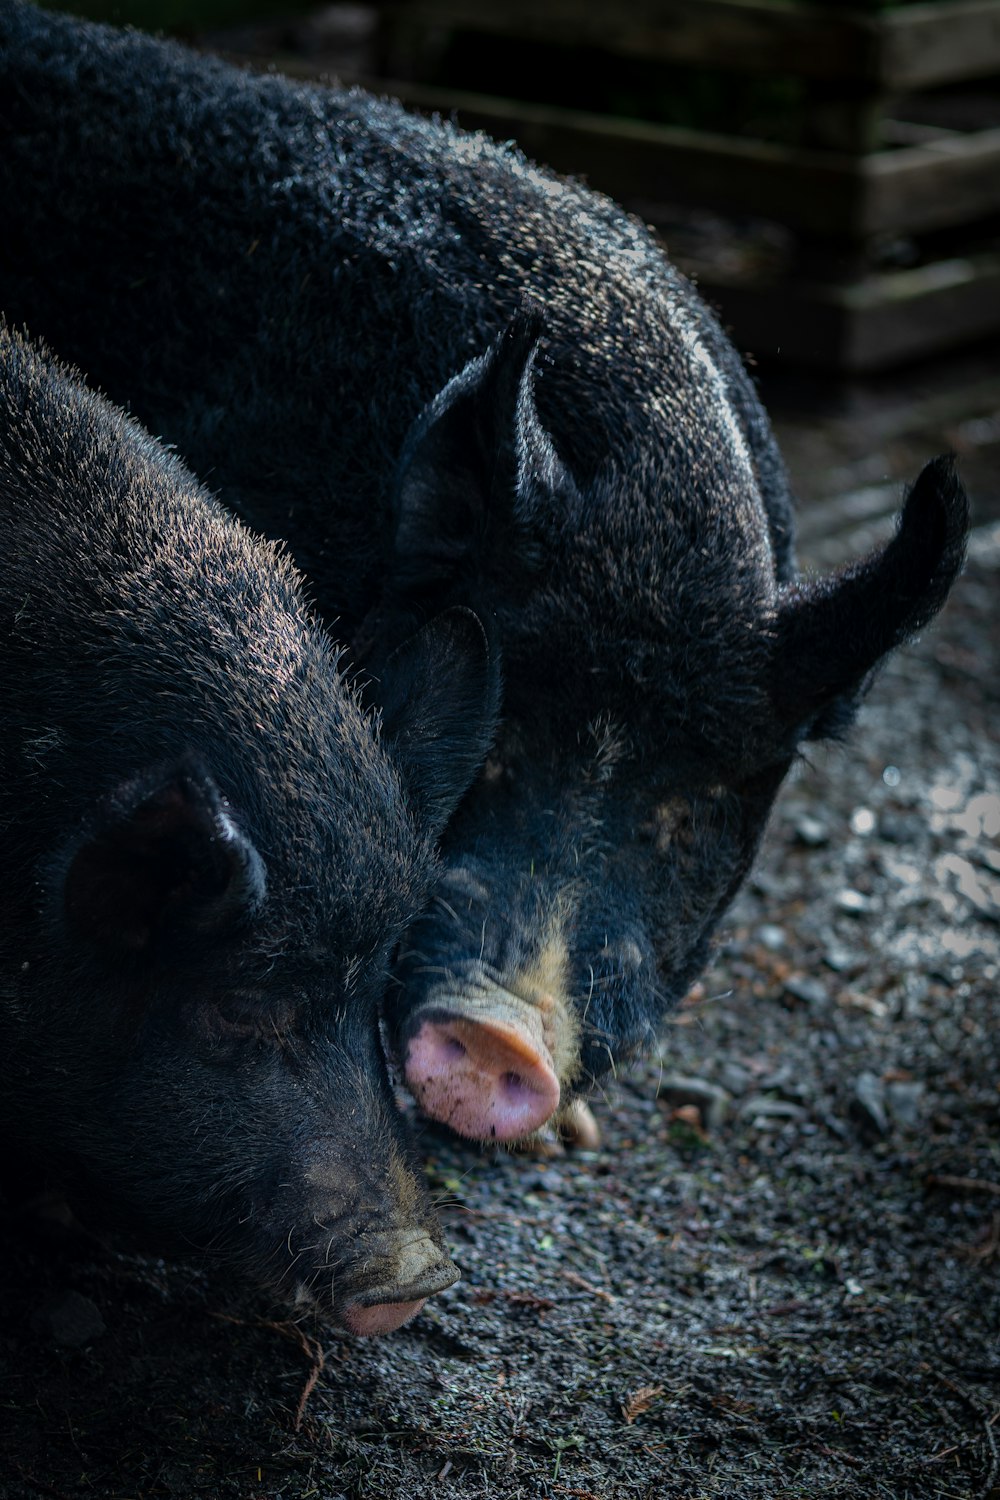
(383,1317)
(362,1318)
(488,1062)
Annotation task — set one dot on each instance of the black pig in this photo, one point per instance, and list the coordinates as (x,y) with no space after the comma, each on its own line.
(448,377)
(208,856)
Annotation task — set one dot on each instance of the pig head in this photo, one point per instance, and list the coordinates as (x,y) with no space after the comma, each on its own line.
(210,852)
(663,666)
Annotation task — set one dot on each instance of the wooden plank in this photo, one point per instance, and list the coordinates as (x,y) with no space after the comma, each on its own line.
(950,181)
(954,180)
(871,324)
(922,45)
(817,191)
(877,324)
(910,47)
(819,41)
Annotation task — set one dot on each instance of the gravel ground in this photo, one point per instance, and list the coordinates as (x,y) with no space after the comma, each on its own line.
(778,1275)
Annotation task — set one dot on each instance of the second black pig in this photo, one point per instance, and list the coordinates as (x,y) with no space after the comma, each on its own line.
(208,856)
(447,376)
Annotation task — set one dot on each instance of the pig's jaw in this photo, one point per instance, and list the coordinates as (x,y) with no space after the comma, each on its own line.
(490,1060)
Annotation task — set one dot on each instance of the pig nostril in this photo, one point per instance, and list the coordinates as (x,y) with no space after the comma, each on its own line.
(454,1048)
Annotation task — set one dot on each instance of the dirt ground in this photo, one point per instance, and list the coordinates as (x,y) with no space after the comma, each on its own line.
(779,1275)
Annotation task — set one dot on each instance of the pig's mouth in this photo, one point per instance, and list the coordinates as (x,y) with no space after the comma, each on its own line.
(383,1308)
(387,1281)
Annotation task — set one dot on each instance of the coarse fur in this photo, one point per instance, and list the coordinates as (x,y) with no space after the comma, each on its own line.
(447,376)
(209,851)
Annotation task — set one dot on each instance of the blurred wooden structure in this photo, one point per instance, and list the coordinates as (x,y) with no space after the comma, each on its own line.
(876,162)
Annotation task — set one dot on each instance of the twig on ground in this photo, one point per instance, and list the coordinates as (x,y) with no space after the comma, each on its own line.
(588,1286)
(310,1347)
(40,1485)
(963,1184)
(988,1246)
(990,1487)
(639,1401)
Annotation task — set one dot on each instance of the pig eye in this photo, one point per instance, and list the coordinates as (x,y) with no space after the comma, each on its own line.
(505,760)
(497,772)
(234,1016)
(669,825)
(245,1017)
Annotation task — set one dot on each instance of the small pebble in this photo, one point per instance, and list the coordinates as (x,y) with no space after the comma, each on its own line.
(868,1103)
(840,960)
(72,1320)
(811,832)
(761,1110)
(853,901)
(771,937)
(905,1101)
(711,1101)
(810,991)
(734,1077)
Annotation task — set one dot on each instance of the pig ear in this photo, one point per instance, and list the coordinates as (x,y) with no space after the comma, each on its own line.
(832,632)
(164,855)
(440,695)
(475,463)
